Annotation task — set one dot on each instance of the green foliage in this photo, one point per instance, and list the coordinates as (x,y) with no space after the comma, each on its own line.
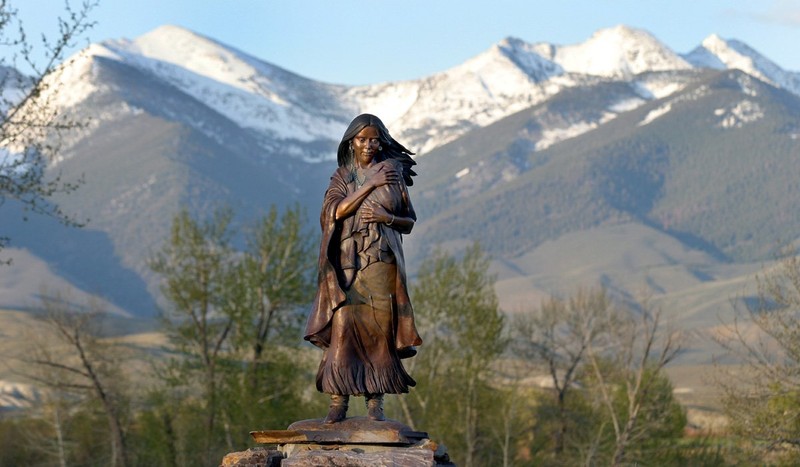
(761,398)
(90,437)
(557,335)
(171,431)
(14,451)
(589,438)
(274,276)
(462,329)
(79,437)
(610,402)
(196,267)
(661,417)
(473,400)
(234,320)
(457,307)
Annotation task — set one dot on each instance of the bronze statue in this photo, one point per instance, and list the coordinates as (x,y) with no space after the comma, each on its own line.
(362,316)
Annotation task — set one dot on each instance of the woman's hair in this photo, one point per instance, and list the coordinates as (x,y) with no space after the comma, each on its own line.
(391,148)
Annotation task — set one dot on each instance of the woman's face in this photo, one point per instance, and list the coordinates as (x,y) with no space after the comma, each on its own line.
(365,146)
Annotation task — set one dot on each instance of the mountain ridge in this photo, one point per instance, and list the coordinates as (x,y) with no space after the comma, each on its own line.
(168,132)
(303,114)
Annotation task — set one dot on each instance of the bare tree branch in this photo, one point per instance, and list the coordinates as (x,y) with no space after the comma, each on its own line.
(32,126)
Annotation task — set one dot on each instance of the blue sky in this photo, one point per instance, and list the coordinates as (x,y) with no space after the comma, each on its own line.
(361,42)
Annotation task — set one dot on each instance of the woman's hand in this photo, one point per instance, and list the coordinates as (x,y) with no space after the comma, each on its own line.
(377,176)
(382,175)
(374,212)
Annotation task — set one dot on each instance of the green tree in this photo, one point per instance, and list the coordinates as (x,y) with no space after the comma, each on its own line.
(610,401)
(461,325)
(234,317)
(277,278)
(557,335)
(196,265)
(273,283)
(13,452)
(31,123)
(761,394)
(627,372)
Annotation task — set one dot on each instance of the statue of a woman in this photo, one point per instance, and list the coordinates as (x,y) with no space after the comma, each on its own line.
(361,316)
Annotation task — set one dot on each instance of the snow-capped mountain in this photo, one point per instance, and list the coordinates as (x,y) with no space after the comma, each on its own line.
(300,117)
(618,52)
(498,82)
(178,119)
(718,53)
(255,95)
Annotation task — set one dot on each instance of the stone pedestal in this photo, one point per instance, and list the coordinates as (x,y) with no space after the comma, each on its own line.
(355,441)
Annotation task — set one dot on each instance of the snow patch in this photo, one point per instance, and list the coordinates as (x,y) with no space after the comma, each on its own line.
(130,197)
(390,101)
(626,105)
(462,172)
(656,113)
(694,95)
(747,85)
(741,114)
(666,107)
(555,135)
(18,395)
(477,93)
(663,89)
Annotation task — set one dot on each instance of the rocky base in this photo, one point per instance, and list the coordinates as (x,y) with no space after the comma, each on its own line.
(255,457)
(354,441)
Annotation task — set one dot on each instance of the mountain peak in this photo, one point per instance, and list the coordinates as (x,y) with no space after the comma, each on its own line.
(714,42)
(204,58)
(174,44)
(625,36)
(170,32)
(619,51)
(511,41)
(532,59)
(716,52)
(620,31)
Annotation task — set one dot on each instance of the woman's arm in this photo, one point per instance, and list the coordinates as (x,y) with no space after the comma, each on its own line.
(402,224)
(350,204)
(374,212)
(402,221)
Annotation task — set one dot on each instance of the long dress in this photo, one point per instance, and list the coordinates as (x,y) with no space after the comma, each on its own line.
(362,317)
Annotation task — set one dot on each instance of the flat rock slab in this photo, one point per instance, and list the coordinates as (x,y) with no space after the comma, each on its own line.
(355,430)
(405,457)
